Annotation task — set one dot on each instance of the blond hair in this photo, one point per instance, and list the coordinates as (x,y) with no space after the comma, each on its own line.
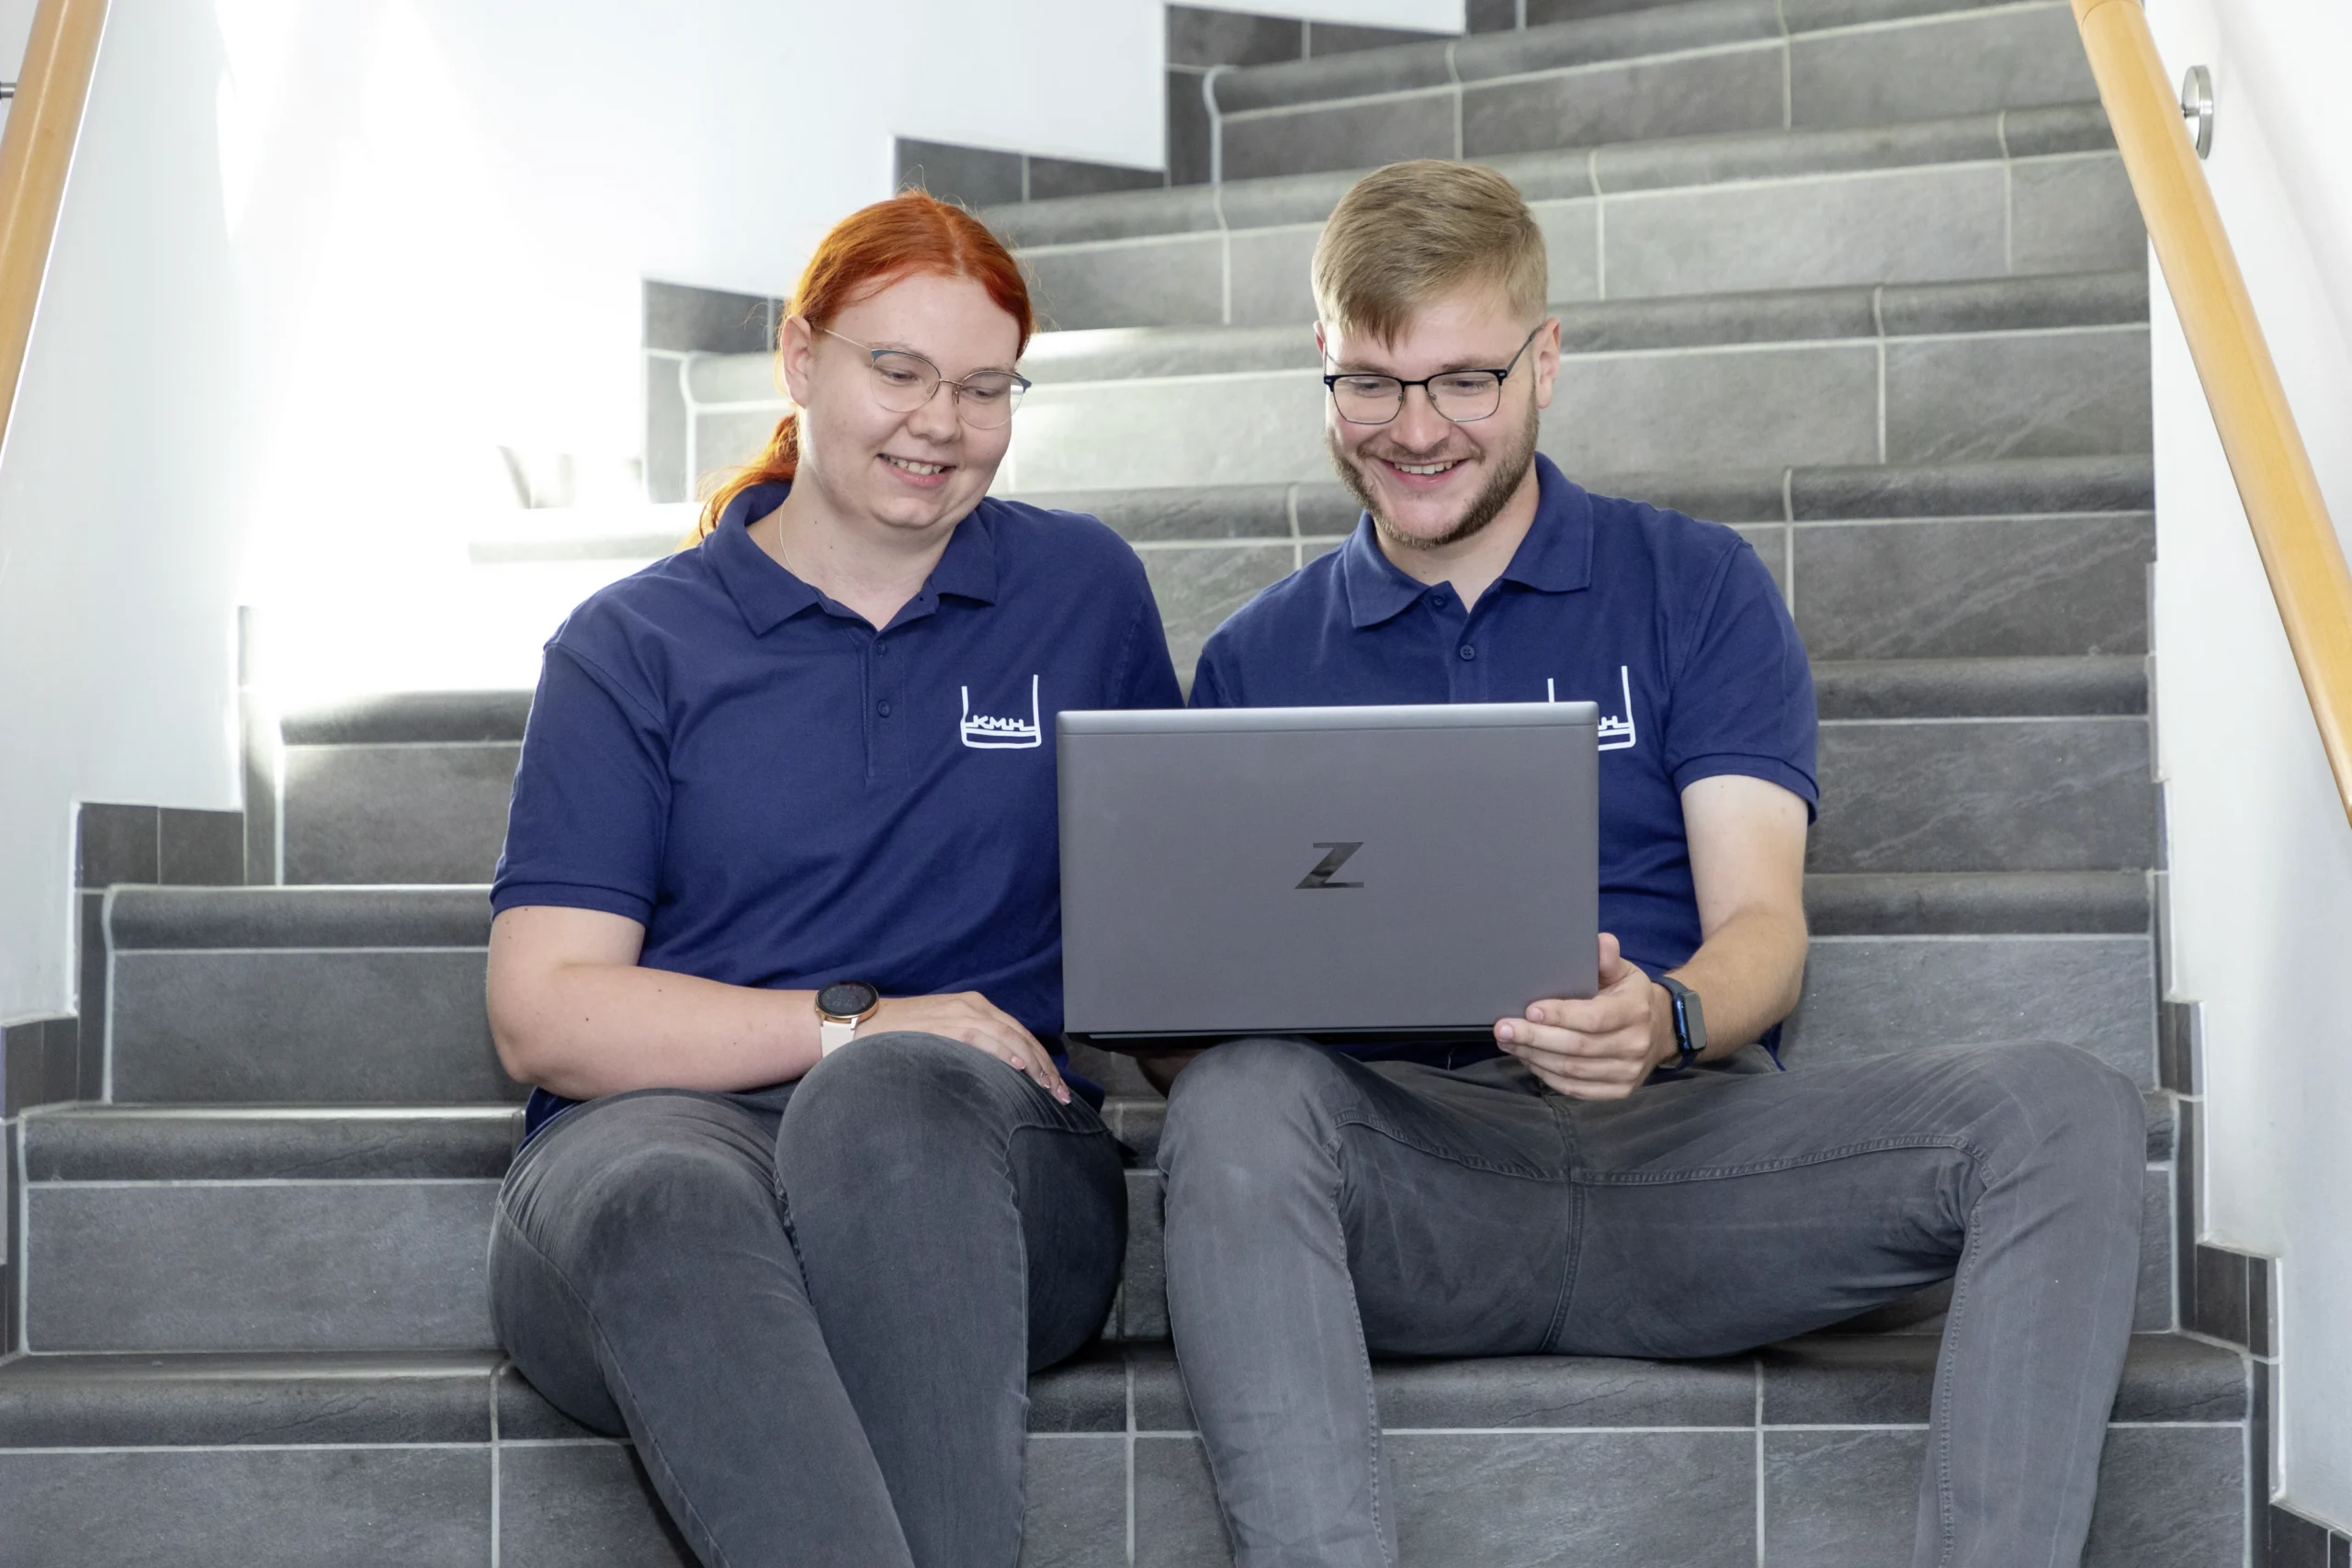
(1413,233)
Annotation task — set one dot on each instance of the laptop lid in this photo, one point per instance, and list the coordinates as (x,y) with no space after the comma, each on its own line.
(1355,874)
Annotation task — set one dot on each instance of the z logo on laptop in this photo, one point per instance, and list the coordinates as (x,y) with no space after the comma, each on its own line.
(1328,866)
(982,733)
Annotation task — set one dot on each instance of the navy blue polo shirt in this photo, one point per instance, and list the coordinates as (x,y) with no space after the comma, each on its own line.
(1672,626)
(784,797)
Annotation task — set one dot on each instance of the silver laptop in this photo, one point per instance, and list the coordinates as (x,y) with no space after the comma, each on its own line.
(1350,875)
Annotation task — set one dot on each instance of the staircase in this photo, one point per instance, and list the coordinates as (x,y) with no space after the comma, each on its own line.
(1860,277)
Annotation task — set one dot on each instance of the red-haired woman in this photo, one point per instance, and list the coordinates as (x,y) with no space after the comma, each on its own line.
(804,1198)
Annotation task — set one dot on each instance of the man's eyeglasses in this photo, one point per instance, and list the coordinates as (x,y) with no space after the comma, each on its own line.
(1461,396)
(904,381)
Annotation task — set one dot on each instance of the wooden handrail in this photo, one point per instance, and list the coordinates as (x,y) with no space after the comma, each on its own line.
(2297,543)
(34,157)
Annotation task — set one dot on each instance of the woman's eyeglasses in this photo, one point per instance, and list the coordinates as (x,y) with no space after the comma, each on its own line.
(904,381)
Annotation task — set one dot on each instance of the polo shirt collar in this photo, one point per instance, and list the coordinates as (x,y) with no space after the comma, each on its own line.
(1555,558)
(768,595)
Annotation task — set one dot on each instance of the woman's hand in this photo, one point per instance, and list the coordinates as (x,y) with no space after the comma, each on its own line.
(972,1019)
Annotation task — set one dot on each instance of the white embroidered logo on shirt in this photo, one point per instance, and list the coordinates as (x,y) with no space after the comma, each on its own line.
(983,733)
(1616,734)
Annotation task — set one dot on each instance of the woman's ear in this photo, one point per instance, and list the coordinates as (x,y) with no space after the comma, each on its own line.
(796,351)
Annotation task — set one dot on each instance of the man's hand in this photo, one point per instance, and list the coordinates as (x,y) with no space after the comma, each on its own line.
(972,1019)
(1600,1047)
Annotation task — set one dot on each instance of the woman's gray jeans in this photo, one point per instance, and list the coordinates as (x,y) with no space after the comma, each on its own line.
(815,1308)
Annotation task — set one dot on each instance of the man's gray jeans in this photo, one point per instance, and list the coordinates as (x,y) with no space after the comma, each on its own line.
(815,1308)
(1321,1211)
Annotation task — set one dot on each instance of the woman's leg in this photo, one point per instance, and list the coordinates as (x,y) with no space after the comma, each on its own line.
(956,1228)
(641,1279)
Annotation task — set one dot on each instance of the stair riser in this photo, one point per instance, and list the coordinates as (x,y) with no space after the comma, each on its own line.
(1867,996)
(384,1026)
(1984,795)
(2073,392)
(232,1266)
(2169,1497)
(1932,67)
(2069,213)
(395,813)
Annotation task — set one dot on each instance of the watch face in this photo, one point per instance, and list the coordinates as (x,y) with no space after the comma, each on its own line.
(847,999)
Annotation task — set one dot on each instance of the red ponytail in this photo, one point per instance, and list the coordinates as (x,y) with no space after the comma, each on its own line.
(911,234)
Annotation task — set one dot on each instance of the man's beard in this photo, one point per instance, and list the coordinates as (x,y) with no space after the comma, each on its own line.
(1510,466)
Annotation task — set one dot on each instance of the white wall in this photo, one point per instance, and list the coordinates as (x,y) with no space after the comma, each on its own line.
(319,258)
(2260,886)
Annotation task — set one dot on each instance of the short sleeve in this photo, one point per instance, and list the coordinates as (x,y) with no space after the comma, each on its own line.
(591,797)
(1151,673)
(1742,698)
(1211,689)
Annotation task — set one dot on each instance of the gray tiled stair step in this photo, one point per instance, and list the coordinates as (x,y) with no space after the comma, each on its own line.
(1572,173)
(2067,794)
(2029,191)
(1727,66)
(1981,688)
(373,996)
(1136,1118)
(1587,326)
(255,1461)
(243,920)
(2063,392)
(1812,492)
(1685,32)
(1919,687)
(247,1228)
(358,996)
(1972,369)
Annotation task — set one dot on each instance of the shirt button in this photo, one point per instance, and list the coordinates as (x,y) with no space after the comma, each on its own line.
(1468,651)
(883,708)
(1437,600)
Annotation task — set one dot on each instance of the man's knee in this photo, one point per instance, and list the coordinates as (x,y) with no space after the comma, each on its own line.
(1253,1101)
(2091,1115)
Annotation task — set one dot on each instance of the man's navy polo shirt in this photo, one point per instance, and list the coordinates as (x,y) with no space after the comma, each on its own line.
(1672,626)
(784,797)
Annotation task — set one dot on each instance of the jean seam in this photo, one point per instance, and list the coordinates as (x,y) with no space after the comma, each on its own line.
(648,1450)
(1575,1264)
(1351,1117)
(1334,1152)
(1939,1413)
(1767,1168)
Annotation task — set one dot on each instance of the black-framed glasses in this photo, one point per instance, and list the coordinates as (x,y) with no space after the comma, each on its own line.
(1462,396)
(904,381)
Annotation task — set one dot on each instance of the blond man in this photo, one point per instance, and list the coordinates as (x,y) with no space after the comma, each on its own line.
(1583,1182)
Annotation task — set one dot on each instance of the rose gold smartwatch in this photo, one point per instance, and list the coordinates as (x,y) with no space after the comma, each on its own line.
(841,1007)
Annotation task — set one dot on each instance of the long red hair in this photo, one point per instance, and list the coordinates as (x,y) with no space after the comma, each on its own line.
(911,234)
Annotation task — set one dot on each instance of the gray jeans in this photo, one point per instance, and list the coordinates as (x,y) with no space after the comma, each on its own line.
(815,1308)
(1321,1210)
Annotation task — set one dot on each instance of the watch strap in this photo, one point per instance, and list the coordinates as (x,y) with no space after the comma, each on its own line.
(832,1033)
(1685,1002)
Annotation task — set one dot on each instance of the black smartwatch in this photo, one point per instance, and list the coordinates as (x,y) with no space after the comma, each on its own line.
(1689,1023)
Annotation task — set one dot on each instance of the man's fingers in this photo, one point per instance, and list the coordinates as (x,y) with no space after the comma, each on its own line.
(1613,961)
